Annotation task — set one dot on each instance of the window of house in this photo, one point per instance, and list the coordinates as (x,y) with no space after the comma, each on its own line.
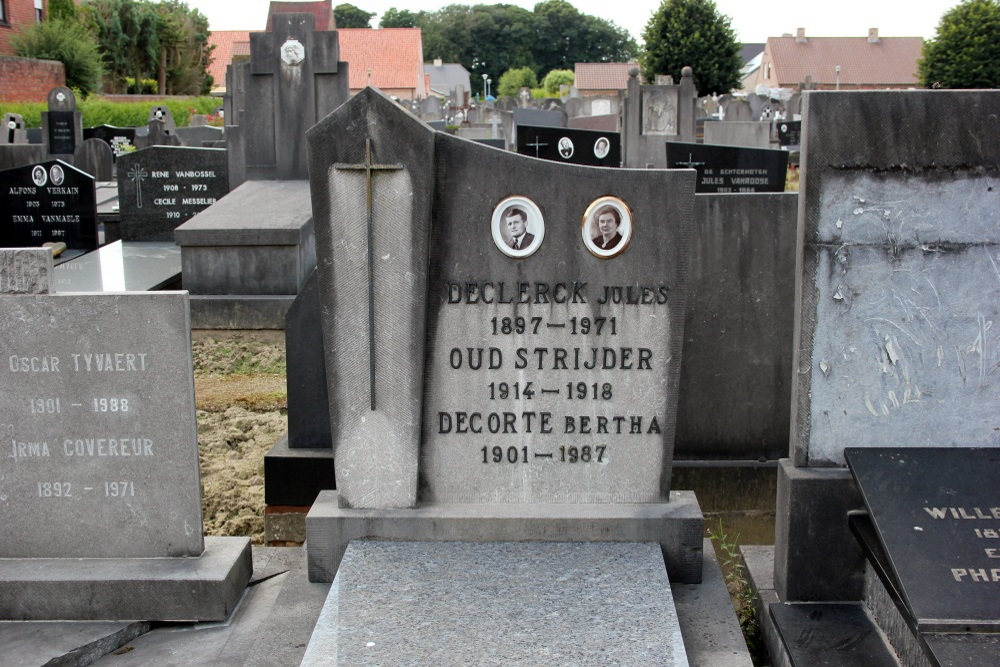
(38,11)
(3,11)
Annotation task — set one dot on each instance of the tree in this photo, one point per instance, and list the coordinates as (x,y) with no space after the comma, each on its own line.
(566,37)
(513,80)
(349,16)
(62,9)
(184,52)
(965,51)
(67,41)
(692,33)
(401,18)
(556,78)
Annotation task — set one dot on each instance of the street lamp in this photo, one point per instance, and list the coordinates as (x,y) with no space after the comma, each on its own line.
(837,70)
(488,82)
(485,91)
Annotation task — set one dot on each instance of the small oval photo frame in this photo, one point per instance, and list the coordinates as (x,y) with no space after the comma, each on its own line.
(519,219)
(607,227)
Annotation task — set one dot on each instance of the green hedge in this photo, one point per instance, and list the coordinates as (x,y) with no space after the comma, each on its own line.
(102,111)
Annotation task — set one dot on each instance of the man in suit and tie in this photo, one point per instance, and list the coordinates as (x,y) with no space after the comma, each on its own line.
(608,221)
(517,224)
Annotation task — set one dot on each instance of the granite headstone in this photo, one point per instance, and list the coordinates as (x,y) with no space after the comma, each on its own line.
(161,187)
(586,147)
(120,139)
(48,202)
(730,169)
(62,124)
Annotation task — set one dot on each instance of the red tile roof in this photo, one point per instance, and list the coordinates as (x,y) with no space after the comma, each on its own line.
(394,56)
(888,61)
(227,43)
(602,76)
(323,11)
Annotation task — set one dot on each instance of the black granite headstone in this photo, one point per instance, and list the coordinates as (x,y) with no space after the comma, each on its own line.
(161,187)
(62,132)
(790,133)
(48,202)
(121,139)
(729,168)
(561,144)
(936,512)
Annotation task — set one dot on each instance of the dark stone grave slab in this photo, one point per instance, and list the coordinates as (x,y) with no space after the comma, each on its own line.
(120,139)
(937,515)
(62,124)
(586,147)
(196,136)
(121,267)
(161,187)
(830,634)
(963,650)
(723,169)
(495,143)
(48,202)
(96,158)
(540,117)
(295,78)
(12,131)
(789,132)
(308,403)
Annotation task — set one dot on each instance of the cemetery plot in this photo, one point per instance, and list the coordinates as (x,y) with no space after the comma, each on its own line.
(121,139)
(789,132)
(587,147)
(98,440)
(161,187)
(724,169)
(937,514)
(48,202)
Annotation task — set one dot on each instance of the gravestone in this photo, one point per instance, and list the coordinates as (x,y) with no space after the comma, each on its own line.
(62,124)
(790,133)
(737,109)
(730,169)
(597,149)
(931,540)
(161,187)
(165,116)
(295,78)
(120,139)
(746,134)
(199,136)
(95,157)
(896,289)
(654,115)
(13,129)
(430,108)
(501,367)
(757,105)
(25,271)
(157,134)
(574,107)
(580,297)
(48,202)
(101,500)
(793,107)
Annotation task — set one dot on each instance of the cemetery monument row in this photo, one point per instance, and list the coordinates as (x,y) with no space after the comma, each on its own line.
(540,368)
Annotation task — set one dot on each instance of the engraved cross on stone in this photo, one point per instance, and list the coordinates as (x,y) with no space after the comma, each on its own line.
(537,146)
(137,174)
(690,163)
(368,167)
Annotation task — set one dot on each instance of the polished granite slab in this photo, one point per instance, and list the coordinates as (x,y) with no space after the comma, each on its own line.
(121,267)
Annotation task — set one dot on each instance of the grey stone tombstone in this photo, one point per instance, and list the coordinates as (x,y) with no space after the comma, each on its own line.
(430,108)
(524,97)
(602,106)
(165,116)
(161,187)
(95,157)
(654,115)
(757,104)
(707,106)
(737,109)
(13,129)
(460,95)
(506,103)
(413,355)
(199,136)
(897,292)
(25,270)
(793,108)
(574,107)
(747,134)
(102,508)
(62,124)
(294,80)
(158,133)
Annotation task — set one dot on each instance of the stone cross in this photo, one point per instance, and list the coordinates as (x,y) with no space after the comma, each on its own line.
(295,79)
(368,167)
(138,174)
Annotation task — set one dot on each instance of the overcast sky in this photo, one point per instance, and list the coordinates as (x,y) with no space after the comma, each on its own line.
(753,21)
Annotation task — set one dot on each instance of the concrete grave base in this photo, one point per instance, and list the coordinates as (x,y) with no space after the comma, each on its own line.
(241,311)
(677,526)
(154,589)
(438,603)
(74,644)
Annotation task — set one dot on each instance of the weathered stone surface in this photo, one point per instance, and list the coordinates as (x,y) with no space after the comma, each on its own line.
(25,270)
(100,434)
(898,273)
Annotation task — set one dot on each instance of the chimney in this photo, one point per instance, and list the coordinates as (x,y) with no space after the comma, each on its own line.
(873,36)
(438,63)
(800,35)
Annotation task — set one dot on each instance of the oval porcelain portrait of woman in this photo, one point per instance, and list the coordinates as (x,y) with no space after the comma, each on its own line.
(607,227)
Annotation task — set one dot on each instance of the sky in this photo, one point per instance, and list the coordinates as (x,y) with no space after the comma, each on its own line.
(753,21)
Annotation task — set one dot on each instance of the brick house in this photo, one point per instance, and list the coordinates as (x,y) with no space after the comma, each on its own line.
(850,63)
(15,15)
